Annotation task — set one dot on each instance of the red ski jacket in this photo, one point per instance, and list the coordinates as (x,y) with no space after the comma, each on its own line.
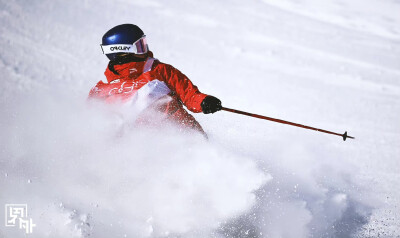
(134,75)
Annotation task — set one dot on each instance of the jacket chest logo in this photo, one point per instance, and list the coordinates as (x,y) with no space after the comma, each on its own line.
(127,87)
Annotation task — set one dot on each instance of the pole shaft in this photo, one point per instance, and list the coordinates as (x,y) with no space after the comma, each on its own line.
(284,122)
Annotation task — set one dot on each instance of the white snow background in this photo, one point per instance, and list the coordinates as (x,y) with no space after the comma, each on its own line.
(331,64)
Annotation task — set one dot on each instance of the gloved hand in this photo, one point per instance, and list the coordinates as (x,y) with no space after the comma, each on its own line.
(210,104)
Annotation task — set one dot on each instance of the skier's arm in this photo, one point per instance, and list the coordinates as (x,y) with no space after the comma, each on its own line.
(187,92)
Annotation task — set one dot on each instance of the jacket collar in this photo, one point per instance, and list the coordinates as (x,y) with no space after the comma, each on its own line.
(130,70)
(127,71)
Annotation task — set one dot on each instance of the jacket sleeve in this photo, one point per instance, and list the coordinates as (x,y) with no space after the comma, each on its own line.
(183,87)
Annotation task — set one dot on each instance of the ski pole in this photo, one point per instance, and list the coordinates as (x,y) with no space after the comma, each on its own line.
(344,136)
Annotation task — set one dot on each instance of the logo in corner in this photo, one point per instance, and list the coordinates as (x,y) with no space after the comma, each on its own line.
(17,216)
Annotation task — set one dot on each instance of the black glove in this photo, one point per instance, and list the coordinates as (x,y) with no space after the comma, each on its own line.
(210,104)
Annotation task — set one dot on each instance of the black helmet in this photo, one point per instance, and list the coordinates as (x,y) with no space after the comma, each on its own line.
(125,38)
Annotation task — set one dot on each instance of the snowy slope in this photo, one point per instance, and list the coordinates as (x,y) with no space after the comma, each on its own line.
(332,64)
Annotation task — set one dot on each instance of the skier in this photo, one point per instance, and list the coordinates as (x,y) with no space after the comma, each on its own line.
(134,75)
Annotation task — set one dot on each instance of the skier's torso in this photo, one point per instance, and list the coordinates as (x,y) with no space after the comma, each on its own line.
(122,87)
(136,78)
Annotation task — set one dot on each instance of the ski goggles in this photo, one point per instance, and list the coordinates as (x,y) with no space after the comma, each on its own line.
(138,47)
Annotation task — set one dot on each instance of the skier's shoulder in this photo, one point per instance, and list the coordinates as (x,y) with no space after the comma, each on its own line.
(159,64)
(165,68)
(100,83)
(97,90)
